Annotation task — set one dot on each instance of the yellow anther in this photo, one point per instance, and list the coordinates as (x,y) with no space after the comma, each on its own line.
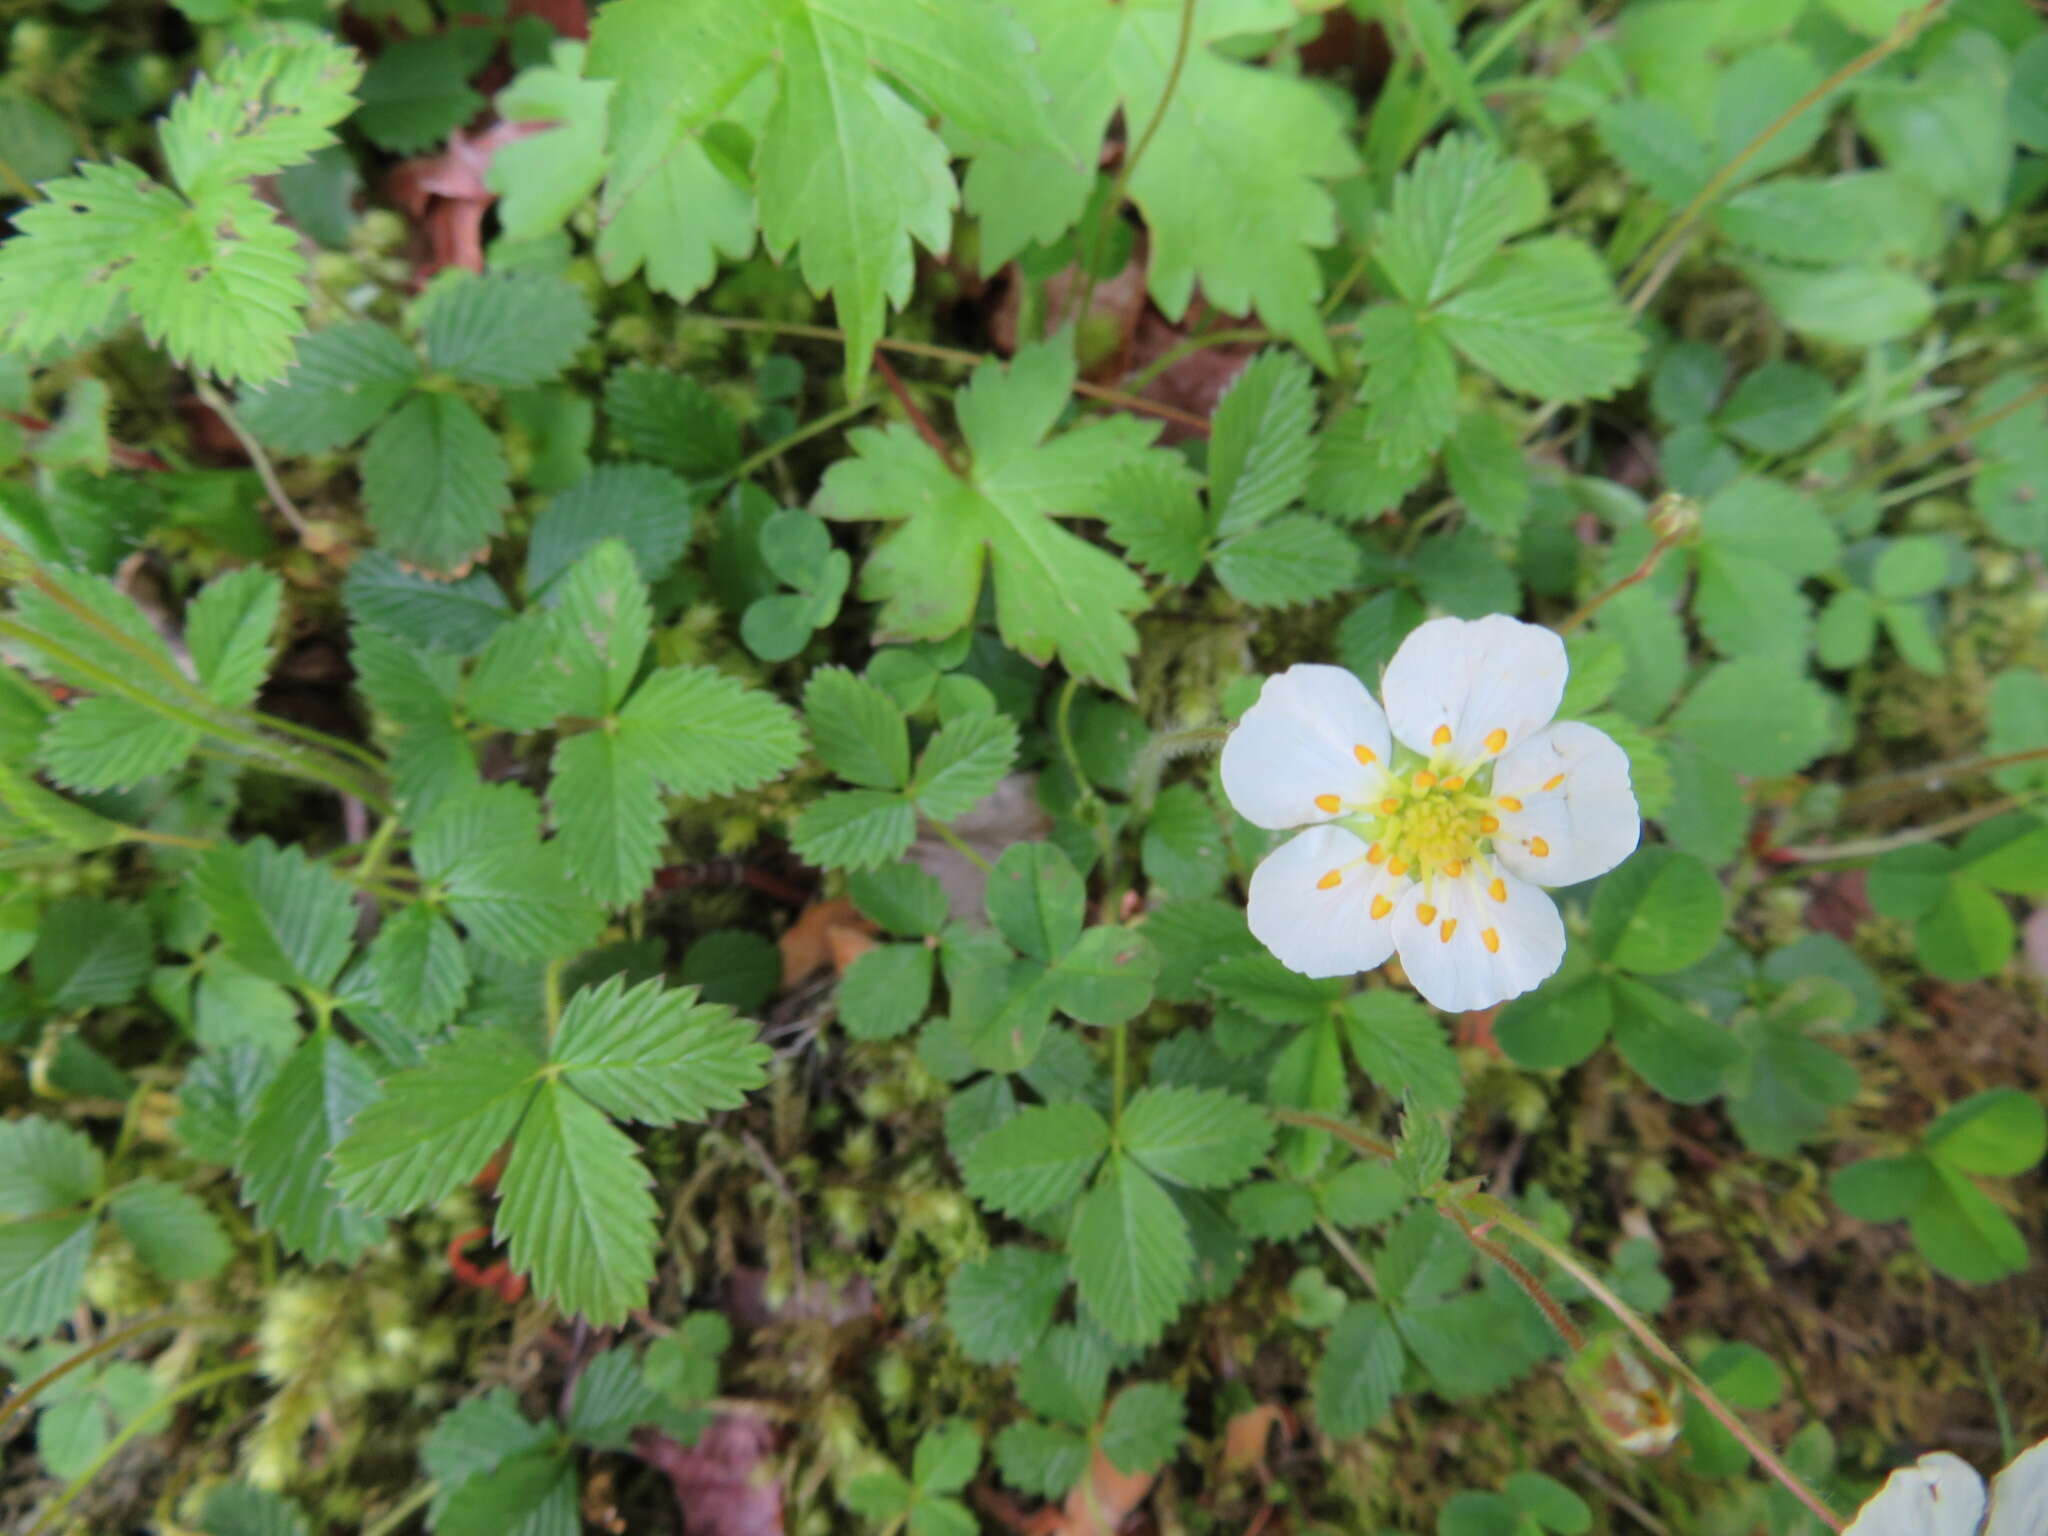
(1489,824)
(1507,802)
(1389,805)
(1552,782)
(1441,737)
(1450,927)
(1424,780)
(1454,869)
(1329,803)
(1381,907)
(1496,740)
(1454,783)
(1425,914)
(1498,890)
(1397,866)
(1539,847)
(1365,754)
(1490,937)
(1376,853)
(1330,881)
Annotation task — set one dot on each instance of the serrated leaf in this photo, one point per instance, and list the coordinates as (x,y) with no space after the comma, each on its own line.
(344,381)
(509,331)
(857,729)
(1183,851)
(1450,211)
(453,617)
(1291,560)
(1201,1137)
(238,1509)
(1488,472)
(42,1270)
(574,1211)
(278,913)
(65,275)
(1000,1306)
(885,991)
(602,623)
(416,92)
(704,733)
(855,829)
(111,743)
(437,1124)
(1259,443)
(219,1096)
(257,111)
(648,508)
(672,419)
(284,1149)
(1036,1161)
(655,1054)
(607,811)
(1131,1253)
(1359,1372)
(1036,899)
(1410,392)
(45,1166)
(1105,978)
(1400,1045)
(1543,319)
(962,764)
(1150,507)
(1042,1459)
(510,891)
(90,953)
(1145,1425)
(171,1230)
(230,631)
(422,972)
(435,484)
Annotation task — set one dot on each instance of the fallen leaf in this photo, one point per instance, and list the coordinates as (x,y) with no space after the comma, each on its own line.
(1244,1438)
(447,198)
(826,933)
(1010,814)
(725,1484)
(1102,1501)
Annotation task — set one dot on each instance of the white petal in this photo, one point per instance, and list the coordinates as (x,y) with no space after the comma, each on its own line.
(1939,1495)
(1493,682)
(1300,741)
(1323,931)
(1588,822)
(1465,971)
(2019,1496)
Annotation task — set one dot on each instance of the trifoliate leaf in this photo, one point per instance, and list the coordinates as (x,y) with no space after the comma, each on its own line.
(1056,594)
(278,913)
(284,1150)
(1542,318)
(1037,1161)
(219,1097)
(903,899)
(885,991)
(1106,978)
(1455,206)
(1259,443)
(416,91)
(1400,1045)
(602,624)
(574,1211)
(1488,472)
(1291,560)
(453,617)
(1360,1371)
(420,967)
(345,380)
(1036,899)
(704,733)
(1756,717)
(857,729)
(673,420)
(1131,1254)
(855,829)
(1145,1425)
(648,508)
(510,331)
(1042,1459)
(1150,507)
(606,807)
(91,953)
(45,1166)
(435,484)
(230,629)
(436,1124)
(111,743)
(655,1054)
(42,1270)
(473,1441)
(171,1230)
(962,764)
(1410,389)
(1201,1137)
(1000,1306)
(482,847)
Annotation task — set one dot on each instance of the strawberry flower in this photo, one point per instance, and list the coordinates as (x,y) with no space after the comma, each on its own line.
(1431,825)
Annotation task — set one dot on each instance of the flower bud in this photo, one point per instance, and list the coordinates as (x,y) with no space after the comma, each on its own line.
(1629,1404)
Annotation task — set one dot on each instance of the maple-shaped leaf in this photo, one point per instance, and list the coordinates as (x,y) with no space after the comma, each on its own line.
(1056,593)
(847,172)
(1232,183)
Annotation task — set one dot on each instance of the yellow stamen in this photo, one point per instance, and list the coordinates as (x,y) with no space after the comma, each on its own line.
(1490,937)
(1498,890)
(1330,881)
(1539,847)
(1375,853)
(1450,927)
(1397,866)
(1329,803)
(1441,737)
(1552,782)
(1424,780)
(1365,755)
(1496,740)
(1489,824)
(1454,869)
(1389,805)
(1425,914)
(1381,907)
(1455,783)
(1507,802)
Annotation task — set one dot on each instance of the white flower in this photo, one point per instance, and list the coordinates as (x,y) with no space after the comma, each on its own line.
(1431,824)
(1942,1495)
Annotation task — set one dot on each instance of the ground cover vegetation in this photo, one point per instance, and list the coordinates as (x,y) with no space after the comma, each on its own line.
(664,659)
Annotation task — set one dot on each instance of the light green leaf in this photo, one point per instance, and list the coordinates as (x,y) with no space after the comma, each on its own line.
(962,764)
(1659,912)
(543,178)
(171,1230)
(704,733)
(1853,306)
(855,829)
(1038,1160)
(1400,1045)
(1035,899)
(1755,716)
(230,630)
(857,729)
(258,111)
(1149,506)
(1961,1233)
(1132,1257)
(1451,210)
(1484,463)
(1201,1137)
(482,848)
(1291,560)
(421,970)
(1543,319)
(602,623)
(1259,443)
(284,1149)
(435,484)
(111,743)
(436,1124)
(607,809)
(655,1054)
(1777,409)
(885,991)
(278,913)
(90,953)
(574,1211)
(1410,393)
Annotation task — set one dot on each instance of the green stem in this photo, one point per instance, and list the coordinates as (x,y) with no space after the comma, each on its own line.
(1661,256)
(16,182)
(403,1511)
(961,846)
(365,872)
(216,402)
(1934,446)
(551,991)
(1490,1209)
(164,839)
(1873,847)
(1120,1068)
(1348,1254)
(1112,206)
(802,434)
(119,1442)
(56,1373)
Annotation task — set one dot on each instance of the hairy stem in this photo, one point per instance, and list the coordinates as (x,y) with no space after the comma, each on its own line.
(56,1373)
(918,419)
(961,846)
(1872,847)
(802,434)
(1641,573)
(1308,1120)
(1934,447)
(258,459)
(1938,775)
